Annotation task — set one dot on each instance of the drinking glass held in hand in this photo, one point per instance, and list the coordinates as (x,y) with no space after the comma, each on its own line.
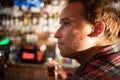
(2,65)
(50,66)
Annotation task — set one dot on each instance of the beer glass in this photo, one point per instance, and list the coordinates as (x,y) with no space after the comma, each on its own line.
(50,66)
(1,65)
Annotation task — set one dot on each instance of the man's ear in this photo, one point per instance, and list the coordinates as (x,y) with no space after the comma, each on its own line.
(99,28)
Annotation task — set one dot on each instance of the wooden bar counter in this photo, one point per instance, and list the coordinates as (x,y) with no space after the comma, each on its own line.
(25,71)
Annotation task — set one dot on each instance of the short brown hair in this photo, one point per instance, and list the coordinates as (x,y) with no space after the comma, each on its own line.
(102,10)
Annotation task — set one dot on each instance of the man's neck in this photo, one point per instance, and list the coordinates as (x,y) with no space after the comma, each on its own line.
(87,54)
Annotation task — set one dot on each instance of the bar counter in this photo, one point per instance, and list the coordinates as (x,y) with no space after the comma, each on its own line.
(25,71)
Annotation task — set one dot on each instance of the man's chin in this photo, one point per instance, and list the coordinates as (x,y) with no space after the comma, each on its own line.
(66,56)
(63,54)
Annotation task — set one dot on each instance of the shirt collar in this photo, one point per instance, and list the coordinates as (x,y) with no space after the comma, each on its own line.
(104,51)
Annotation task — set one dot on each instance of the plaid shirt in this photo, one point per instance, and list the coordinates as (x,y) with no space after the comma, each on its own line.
(105,65)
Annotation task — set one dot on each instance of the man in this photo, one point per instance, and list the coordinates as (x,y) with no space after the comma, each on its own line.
(87,33)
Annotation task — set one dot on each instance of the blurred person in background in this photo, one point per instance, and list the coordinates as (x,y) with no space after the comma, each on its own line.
(88,31)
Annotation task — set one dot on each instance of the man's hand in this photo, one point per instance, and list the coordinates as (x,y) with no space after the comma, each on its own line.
(61,72)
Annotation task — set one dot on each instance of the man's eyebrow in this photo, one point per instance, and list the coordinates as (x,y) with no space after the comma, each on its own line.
(63,19)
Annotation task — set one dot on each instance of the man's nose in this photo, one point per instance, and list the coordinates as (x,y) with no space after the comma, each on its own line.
(58,33)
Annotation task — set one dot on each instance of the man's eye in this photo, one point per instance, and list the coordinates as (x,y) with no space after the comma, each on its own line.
(66,23)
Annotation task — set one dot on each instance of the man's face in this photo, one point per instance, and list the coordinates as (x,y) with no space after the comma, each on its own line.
(73,34)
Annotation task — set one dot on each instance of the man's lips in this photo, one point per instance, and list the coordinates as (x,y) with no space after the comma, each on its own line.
(60,44)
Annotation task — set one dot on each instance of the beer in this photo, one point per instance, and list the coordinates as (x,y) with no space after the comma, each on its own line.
(1,65)
(51,66)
